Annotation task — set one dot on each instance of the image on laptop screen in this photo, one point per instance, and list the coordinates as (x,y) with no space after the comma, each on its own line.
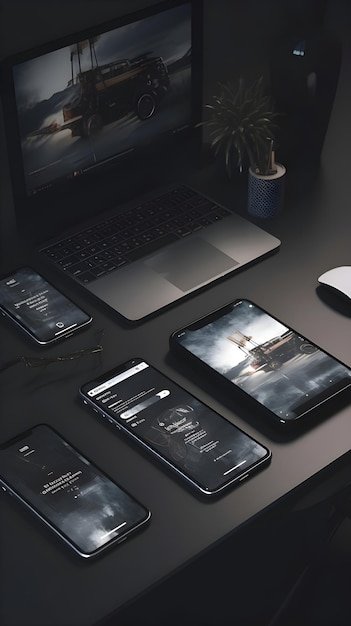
(84,105)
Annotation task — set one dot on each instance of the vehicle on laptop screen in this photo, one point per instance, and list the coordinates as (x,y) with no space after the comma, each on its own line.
(107,92)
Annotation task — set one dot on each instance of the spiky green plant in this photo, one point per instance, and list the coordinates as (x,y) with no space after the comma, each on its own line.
(242,121)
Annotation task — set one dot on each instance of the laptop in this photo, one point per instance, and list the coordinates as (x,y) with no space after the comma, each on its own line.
(102,126)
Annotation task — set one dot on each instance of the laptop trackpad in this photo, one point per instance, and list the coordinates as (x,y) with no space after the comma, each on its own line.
(190,263)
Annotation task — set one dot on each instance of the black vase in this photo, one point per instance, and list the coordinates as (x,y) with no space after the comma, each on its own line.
(305,67)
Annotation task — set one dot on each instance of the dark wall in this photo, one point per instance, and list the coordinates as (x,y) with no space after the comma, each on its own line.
(238,35)
(237,32)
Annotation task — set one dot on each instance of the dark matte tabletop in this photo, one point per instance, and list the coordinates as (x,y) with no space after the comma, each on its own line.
(314,228)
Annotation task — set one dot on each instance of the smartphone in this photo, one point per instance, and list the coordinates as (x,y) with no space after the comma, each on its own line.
(200,445)
(67,492)
(38,307)
(250,350)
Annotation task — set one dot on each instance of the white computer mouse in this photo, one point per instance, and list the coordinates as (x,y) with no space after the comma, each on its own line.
(338,279)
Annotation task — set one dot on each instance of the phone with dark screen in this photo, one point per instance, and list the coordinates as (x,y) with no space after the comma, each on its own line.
(249,350)
(37,307)
(201,446)
(67,492)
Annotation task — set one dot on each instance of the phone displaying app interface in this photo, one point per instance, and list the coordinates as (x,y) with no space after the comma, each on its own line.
(272,363)
(77,500)
(38,307)
(198,443)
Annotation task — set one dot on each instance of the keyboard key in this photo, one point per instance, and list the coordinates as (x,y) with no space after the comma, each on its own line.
(139,231)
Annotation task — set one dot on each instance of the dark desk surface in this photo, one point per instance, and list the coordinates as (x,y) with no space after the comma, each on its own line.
(39,576)
(314,228)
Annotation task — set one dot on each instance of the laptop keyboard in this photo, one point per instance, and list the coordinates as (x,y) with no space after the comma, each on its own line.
(111,244)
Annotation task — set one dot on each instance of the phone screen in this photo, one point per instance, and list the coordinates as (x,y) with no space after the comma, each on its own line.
(38,307)
(78,501)
(198,443)
(270,362)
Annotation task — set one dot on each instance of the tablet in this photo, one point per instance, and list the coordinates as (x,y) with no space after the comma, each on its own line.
(286,375)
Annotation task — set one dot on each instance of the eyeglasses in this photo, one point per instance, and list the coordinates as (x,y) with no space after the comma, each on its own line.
(42,360)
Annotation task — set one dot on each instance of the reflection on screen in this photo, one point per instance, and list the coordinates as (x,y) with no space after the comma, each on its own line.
(205,447)
(82,105)
(80,501)
(31,300)
(272,363)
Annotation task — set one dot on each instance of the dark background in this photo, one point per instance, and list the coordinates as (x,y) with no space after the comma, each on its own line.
(41,583)
(239,36)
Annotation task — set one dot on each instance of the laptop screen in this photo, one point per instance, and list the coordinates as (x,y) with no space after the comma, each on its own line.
(101,98)
(96,118)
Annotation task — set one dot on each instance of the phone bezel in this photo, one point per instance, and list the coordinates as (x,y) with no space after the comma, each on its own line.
(179,349)
(140,442)
(7,487)
(20,323)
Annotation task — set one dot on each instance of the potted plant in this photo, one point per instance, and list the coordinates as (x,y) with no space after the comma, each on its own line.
(242,123)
